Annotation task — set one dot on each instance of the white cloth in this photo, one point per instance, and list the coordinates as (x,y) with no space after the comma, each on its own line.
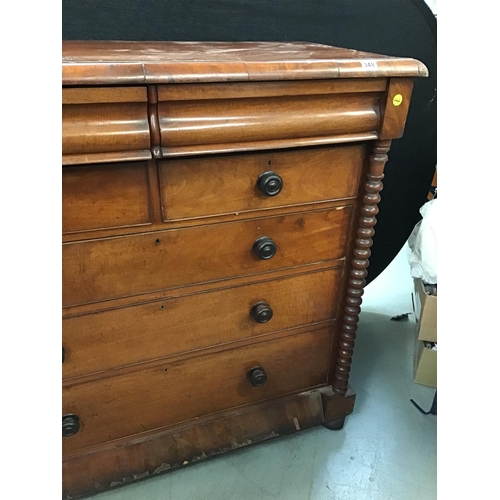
(423,245)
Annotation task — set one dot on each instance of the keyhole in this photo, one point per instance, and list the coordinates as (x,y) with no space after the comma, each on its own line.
(162,307)
(157,241)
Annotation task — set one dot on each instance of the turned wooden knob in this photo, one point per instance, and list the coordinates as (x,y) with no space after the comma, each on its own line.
(270,183)
(261,312)
(257,376)
(70,425)
(264,248)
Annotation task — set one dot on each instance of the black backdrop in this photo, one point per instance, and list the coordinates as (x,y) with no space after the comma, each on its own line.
(393,27)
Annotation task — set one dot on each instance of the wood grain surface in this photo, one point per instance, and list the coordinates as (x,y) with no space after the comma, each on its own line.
(109,339)
(197,187)
(129,404)
(130,265)
(105,196)
(122,62)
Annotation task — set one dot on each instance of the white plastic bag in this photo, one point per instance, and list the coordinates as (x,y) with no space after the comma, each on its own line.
(423,245)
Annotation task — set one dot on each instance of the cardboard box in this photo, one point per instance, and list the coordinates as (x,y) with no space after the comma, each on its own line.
(424,359)
(425,309)
(425,365)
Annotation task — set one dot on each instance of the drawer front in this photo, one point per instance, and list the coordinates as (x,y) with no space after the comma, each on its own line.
(130,265)
(198,187)
(144,332)
(133,403)
(104,120)
(104,128)
(105,196)
(185,125)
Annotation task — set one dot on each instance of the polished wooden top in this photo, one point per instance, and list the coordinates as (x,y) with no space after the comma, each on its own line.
(120,62)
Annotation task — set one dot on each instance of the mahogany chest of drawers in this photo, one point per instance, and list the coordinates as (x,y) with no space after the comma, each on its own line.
(218,207)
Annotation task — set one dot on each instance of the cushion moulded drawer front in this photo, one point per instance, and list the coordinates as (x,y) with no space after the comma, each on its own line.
(101,122)
(197,187)
(135,402)
(110,268)
(190,126)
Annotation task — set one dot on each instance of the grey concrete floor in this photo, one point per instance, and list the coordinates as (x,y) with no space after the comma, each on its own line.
(386,450)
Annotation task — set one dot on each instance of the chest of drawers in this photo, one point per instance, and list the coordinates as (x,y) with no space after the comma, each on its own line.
(218,207)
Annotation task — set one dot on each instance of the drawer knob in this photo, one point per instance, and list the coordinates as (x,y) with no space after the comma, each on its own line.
(257,376)
(270,183)
(70,425)
(261,312)
(264,248)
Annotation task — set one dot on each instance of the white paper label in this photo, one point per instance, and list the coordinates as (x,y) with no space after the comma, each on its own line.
(369,64)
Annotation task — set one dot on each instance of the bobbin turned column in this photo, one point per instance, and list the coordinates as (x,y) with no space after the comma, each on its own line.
(359,263)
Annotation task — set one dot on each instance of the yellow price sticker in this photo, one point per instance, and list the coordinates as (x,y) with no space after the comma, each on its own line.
(397,99)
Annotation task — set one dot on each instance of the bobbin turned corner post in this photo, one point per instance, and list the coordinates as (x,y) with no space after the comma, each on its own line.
(359,263)
(394,110)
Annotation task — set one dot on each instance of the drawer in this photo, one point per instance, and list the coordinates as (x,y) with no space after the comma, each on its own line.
(101,120)
(109,268)
(169,393)
(144,332)
(197,187)
(223,123)
(105,196)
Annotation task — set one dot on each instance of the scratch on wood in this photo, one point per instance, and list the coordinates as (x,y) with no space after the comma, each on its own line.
(201,457)
(124,480)
(296,422)
(239,445)
(234,445)
(161,468)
